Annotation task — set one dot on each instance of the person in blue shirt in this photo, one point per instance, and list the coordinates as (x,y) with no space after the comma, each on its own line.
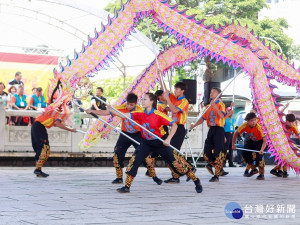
(18,101)
(37,100)
(229,130)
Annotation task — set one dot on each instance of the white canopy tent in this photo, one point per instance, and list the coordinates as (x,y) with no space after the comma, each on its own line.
(242,88)
(62,26)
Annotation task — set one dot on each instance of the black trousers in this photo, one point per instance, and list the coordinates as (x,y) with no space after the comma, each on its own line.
(296,141)
(214,143)
(175,161)
(122,146)
(39,138)
(176,141)
(252,157)
(178,138)
(228,147)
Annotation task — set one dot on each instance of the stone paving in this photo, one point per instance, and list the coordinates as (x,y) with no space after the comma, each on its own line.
(86,196)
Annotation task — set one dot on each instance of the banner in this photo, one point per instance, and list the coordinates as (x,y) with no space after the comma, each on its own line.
(36,69)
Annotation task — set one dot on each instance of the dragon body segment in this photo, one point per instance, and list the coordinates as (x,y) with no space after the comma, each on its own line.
(232,44)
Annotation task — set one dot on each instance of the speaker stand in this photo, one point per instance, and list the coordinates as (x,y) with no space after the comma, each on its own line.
(188,147)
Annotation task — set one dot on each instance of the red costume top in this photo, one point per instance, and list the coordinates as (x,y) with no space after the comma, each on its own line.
(152,121)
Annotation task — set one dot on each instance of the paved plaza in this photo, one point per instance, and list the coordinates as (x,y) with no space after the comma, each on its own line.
(86,196)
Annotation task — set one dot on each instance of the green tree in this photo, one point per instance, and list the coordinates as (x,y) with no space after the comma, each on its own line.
(113,87)
(220,12)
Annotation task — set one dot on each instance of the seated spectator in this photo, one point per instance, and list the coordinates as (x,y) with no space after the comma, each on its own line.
(37,100)
(3,93)
(19,102)
(96,103)
(2,87)
(17,81)
(33,91)
(4,97)
(11,91)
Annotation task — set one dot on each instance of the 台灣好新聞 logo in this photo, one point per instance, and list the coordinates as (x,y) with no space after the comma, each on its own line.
(233,210)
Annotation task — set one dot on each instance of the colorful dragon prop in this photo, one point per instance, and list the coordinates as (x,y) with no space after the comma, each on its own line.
(232,44)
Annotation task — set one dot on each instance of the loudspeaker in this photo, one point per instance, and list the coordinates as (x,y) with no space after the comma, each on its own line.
(191,92)
(207,88)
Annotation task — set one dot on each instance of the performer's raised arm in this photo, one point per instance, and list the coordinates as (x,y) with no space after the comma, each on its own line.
(284,107)
(218,111)
(162,83)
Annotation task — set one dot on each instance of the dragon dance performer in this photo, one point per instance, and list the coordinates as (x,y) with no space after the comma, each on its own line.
(161,102)
(292,129)
(162,107)
(178,105)
(177,140)
(256,141)
(123,143)
(214,143)
(39,135)
(153,120)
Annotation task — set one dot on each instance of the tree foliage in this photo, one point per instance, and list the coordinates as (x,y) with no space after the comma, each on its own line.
(113,87)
